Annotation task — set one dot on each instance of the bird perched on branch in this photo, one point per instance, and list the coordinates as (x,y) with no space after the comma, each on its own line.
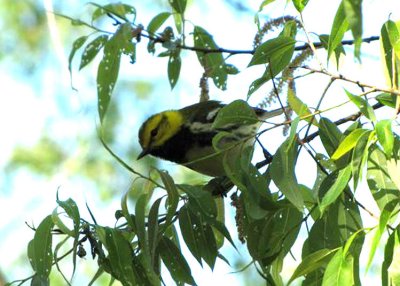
(187,136)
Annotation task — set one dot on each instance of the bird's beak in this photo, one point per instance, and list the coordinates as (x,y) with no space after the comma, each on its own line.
(143,153)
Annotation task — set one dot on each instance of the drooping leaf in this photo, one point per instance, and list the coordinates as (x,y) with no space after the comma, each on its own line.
(339,27)
(203,201)
(363,105)
(173,196)
(300,107)
(385,135)
(339,270)
(360,156)
(330,135)
(157,22)
(178,5)
(175,262)
(77,44)
(353,11)
(92,49)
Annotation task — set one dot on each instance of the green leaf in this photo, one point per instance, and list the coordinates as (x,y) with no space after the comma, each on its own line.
(384,218)
(380,184)
(189,233)
(300,107)
(173,196)
(153,231)
(120,254)
(213,63)
(330,135)
(348,143)
(387,99)
(178,5)
(360,156)
(300,4)
(92,49)
(394,268)
(339,27)
(40,249)
(265,3)
(202,200)
(237,112)
(157,22)
(107,73)
(312,262)
(363,105)
(339,270)
(331,191)
(140,208)
(175,262)
(390,36)
(389,248)
(119,9)
(353,11)
(78,43)
(385,135)
(272,50)
(283,175)
(174,68)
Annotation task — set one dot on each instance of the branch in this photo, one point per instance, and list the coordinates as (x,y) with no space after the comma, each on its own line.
(317,45)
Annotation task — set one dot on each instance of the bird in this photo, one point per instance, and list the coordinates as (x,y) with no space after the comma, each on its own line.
(185,136)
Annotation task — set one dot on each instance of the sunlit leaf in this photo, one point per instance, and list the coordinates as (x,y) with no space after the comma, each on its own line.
(339,27)
(178,5)
(363,105)
(157,22)
(353,11)
(339,270)
(300,4)
(348,143)
(385,135)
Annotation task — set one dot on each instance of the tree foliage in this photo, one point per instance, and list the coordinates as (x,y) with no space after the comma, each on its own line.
(271,205)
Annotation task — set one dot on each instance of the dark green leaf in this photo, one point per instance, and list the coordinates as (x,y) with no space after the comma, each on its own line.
(330,135)
(153,230)
(200,199)
(339,270)
(385,135)
(339,27)
(387,99)
(338,51)
(213,63)
(108,70)
(178,5)
(92,49)
(120,254)
(331,192)
(348,143)
(312,262)
(300,4)
(270,51)
(40,249)
(283,175)
(174,68)
(189,233)
(157,22)
(78,43)
(173,196)
(389,248)
(119,9)
(236,113)
(175,262)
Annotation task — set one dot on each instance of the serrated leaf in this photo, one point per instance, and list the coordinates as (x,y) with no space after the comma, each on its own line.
(348,143)
(312,262)
(175,262)
(40,249)
(339,27)
(341,180)
(283,175)
(363,105)
(236,113)
(300,5)
(157,22)
(92,49)
(339,270)
(385,135)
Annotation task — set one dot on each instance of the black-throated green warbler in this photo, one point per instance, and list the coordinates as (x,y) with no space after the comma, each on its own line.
(185,136)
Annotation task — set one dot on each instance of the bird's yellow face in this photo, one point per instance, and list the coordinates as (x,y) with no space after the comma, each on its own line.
(158,129)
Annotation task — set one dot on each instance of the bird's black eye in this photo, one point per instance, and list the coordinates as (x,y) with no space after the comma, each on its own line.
(154,132)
